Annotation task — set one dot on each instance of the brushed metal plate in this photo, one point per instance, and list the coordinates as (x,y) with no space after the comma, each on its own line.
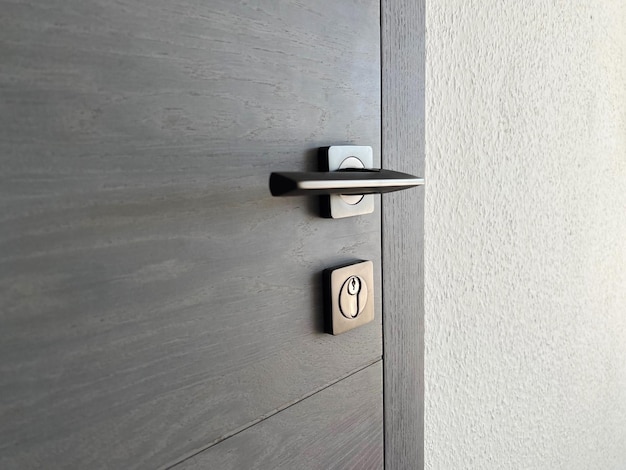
(349,296)
(349,156)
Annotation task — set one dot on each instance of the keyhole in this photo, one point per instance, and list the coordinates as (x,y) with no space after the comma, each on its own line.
(352,297)
(354,285)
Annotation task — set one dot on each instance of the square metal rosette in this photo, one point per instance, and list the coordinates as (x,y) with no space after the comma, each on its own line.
(348,296)
(340,157)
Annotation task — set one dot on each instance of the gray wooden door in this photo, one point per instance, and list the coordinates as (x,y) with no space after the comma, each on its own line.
(158,308)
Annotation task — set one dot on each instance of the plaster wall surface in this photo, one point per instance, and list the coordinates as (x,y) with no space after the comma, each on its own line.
(525,235)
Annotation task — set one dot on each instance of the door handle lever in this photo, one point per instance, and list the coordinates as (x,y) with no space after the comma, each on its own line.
(347,186)
(350,181)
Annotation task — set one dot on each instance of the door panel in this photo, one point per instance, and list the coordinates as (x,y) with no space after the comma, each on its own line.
(155,297)
(338,428)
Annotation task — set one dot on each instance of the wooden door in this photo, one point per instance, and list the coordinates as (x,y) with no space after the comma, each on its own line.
(159,308)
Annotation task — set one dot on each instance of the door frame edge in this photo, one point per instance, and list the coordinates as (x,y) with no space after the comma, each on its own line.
(403,58)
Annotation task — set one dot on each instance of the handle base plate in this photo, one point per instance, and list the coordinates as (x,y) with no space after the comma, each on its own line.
(339,157)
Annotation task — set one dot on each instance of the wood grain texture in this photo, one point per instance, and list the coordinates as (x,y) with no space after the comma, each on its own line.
(340,427)
(154,296)
(403,66)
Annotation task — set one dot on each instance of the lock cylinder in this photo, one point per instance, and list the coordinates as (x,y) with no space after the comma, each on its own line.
(353,297)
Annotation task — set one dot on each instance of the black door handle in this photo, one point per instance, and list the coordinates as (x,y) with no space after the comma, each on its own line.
(346,182)
(347,185)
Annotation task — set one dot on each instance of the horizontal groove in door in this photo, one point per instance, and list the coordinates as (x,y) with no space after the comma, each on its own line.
(346,414)
(270,414)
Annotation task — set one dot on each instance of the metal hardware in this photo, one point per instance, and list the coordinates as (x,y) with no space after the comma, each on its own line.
(347,184)
(345,157)
(349,296)
(341,182)
(351,162)
(352,297)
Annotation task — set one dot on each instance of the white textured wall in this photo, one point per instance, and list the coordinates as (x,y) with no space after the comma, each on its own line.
(526,235)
